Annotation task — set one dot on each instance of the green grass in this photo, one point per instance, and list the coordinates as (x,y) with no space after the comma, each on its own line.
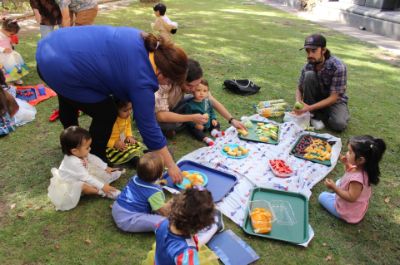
(231,40)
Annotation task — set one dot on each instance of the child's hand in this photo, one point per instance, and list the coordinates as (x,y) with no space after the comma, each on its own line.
(7,50)
(330,184)
(214,122)
(120,145)
(108,189)
(130,140)
(199,127)
(199,118)
(109,170)
(343,159)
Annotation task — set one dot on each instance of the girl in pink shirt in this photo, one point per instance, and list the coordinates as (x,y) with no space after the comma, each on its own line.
(351,194)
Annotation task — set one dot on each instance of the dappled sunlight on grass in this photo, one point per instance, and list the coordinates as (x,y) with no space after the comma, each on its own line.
(250,12)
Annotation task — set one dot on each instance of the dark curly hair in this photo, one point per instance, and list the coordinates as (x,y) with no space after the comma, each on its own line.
(192,210)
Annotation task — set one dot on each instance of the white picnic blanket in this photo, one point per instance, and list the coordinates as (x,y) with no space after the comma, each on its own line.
(254,171)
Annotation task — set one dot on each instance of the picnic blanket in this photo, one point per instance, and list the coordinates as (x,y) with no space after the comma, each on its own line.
(254,171)
(34,94)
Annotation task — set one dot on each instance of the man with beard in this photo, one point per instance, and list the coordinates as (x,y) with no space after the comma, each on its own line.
(322,86)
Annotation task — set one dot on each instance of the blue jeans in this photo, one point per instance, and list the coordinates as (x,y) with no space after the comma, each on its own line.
(327,200)
(45,30)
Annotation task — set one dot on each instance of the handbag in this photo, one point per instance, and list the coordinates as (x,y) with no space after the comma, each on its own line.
(242,87)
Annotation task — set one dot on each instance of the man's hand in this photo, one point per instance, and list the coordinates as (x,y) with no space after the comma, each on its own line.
(306,108)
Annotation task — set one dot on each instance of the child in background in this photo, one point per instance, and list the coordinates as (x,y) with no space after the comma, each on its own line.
(47,14)
(80,172)
(13,65)
(350,198)
(176,240)
(141,205)
(122,147)
(201,104)
(8,108)
(163,24)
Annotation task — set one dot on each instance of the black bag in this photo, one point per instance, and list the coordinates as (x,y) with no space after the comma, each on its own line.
(242,87)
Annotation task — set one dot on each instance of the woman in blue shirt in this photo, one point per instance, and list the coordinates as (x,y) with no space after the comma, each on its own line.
(88,66)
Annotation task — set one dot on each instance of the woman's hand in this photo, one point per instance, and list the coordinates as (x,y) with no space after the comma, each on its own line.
(175,173)
(120,145)
(238,125)
(199,118)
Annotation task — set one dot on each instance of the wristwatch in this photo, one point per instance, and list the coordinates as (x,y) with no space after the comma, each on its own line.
(230,120)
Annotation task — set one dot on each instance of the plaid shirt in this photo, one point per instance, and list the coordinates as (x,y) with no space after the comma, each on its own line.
(48,10)
(332,77)
(167,97)
(77,5)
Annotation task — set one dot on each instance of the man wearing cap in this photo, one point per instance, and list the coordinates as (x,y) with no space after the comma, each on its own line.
(322,86)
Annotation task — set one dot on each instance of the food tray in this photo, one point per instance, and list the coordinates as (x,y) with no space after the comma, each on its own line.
(325,162)
(296,231)
(277,173)
(186,181)
(232,146)
(252,135)
(219,183)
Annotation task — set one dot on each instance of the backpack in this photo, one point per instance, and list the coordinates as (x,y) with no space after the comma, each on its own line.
(242,87)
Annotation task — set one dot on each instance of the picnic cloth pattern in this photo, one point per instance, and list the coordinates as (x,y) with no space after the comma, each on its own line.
(254,171)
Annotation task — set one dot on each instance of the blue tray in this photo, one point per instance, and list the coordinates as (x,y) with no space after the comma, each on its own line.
(219,183)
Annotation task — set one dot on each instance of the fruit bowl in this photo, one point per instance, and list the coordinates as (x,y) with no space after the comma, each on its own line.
(280,168)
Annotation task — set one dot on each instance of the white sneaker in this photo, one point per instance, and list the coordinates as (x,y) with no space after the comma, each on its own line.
(115,175)
(317,124)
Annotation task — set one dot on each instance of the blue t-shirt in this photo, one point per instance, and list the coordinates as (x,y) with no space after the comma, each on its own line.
(136,196)
(88,64)
(173,249)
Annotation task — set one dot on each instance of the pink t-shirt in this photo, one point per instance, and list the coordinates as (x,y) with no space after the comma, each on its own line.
(353,212)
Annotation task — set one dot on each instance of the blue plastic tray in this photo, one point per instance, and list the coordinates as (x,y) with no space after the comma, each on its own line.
(219,183)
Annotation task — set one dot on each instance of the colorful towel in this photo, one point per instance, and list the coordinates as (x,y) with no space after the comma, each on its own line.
(34,94)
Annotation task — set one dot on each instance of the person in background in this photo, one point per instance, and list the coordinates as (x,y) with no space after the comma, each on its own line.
(8,108)
(47,14)
(163,24)
(78,12)
(322,86)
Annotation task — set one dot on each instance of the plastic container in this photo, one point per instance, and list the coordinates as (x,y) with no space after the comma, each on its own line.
(260,224)
(283,212)
(302,120)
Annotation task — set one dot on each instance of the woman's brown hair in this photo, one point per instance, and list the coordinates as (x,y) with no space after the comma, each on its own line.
(192,210)
(170,59)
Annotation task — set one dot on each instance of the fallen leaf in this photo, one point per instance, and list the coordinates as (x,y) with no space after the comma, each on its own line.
(57,246)
(111,206)
(12,206)
(387,199)
(88,241)
(328,258)
(20,215)
(324,244)
(29,205)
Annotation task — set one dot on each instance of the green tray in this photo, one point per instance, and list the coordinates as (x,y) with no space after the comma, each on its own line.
(325,162)
(252,136)
(296,233)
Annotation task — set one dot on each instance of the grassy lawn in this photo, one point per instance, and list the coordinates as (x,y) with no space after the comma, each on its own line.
(231,40)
